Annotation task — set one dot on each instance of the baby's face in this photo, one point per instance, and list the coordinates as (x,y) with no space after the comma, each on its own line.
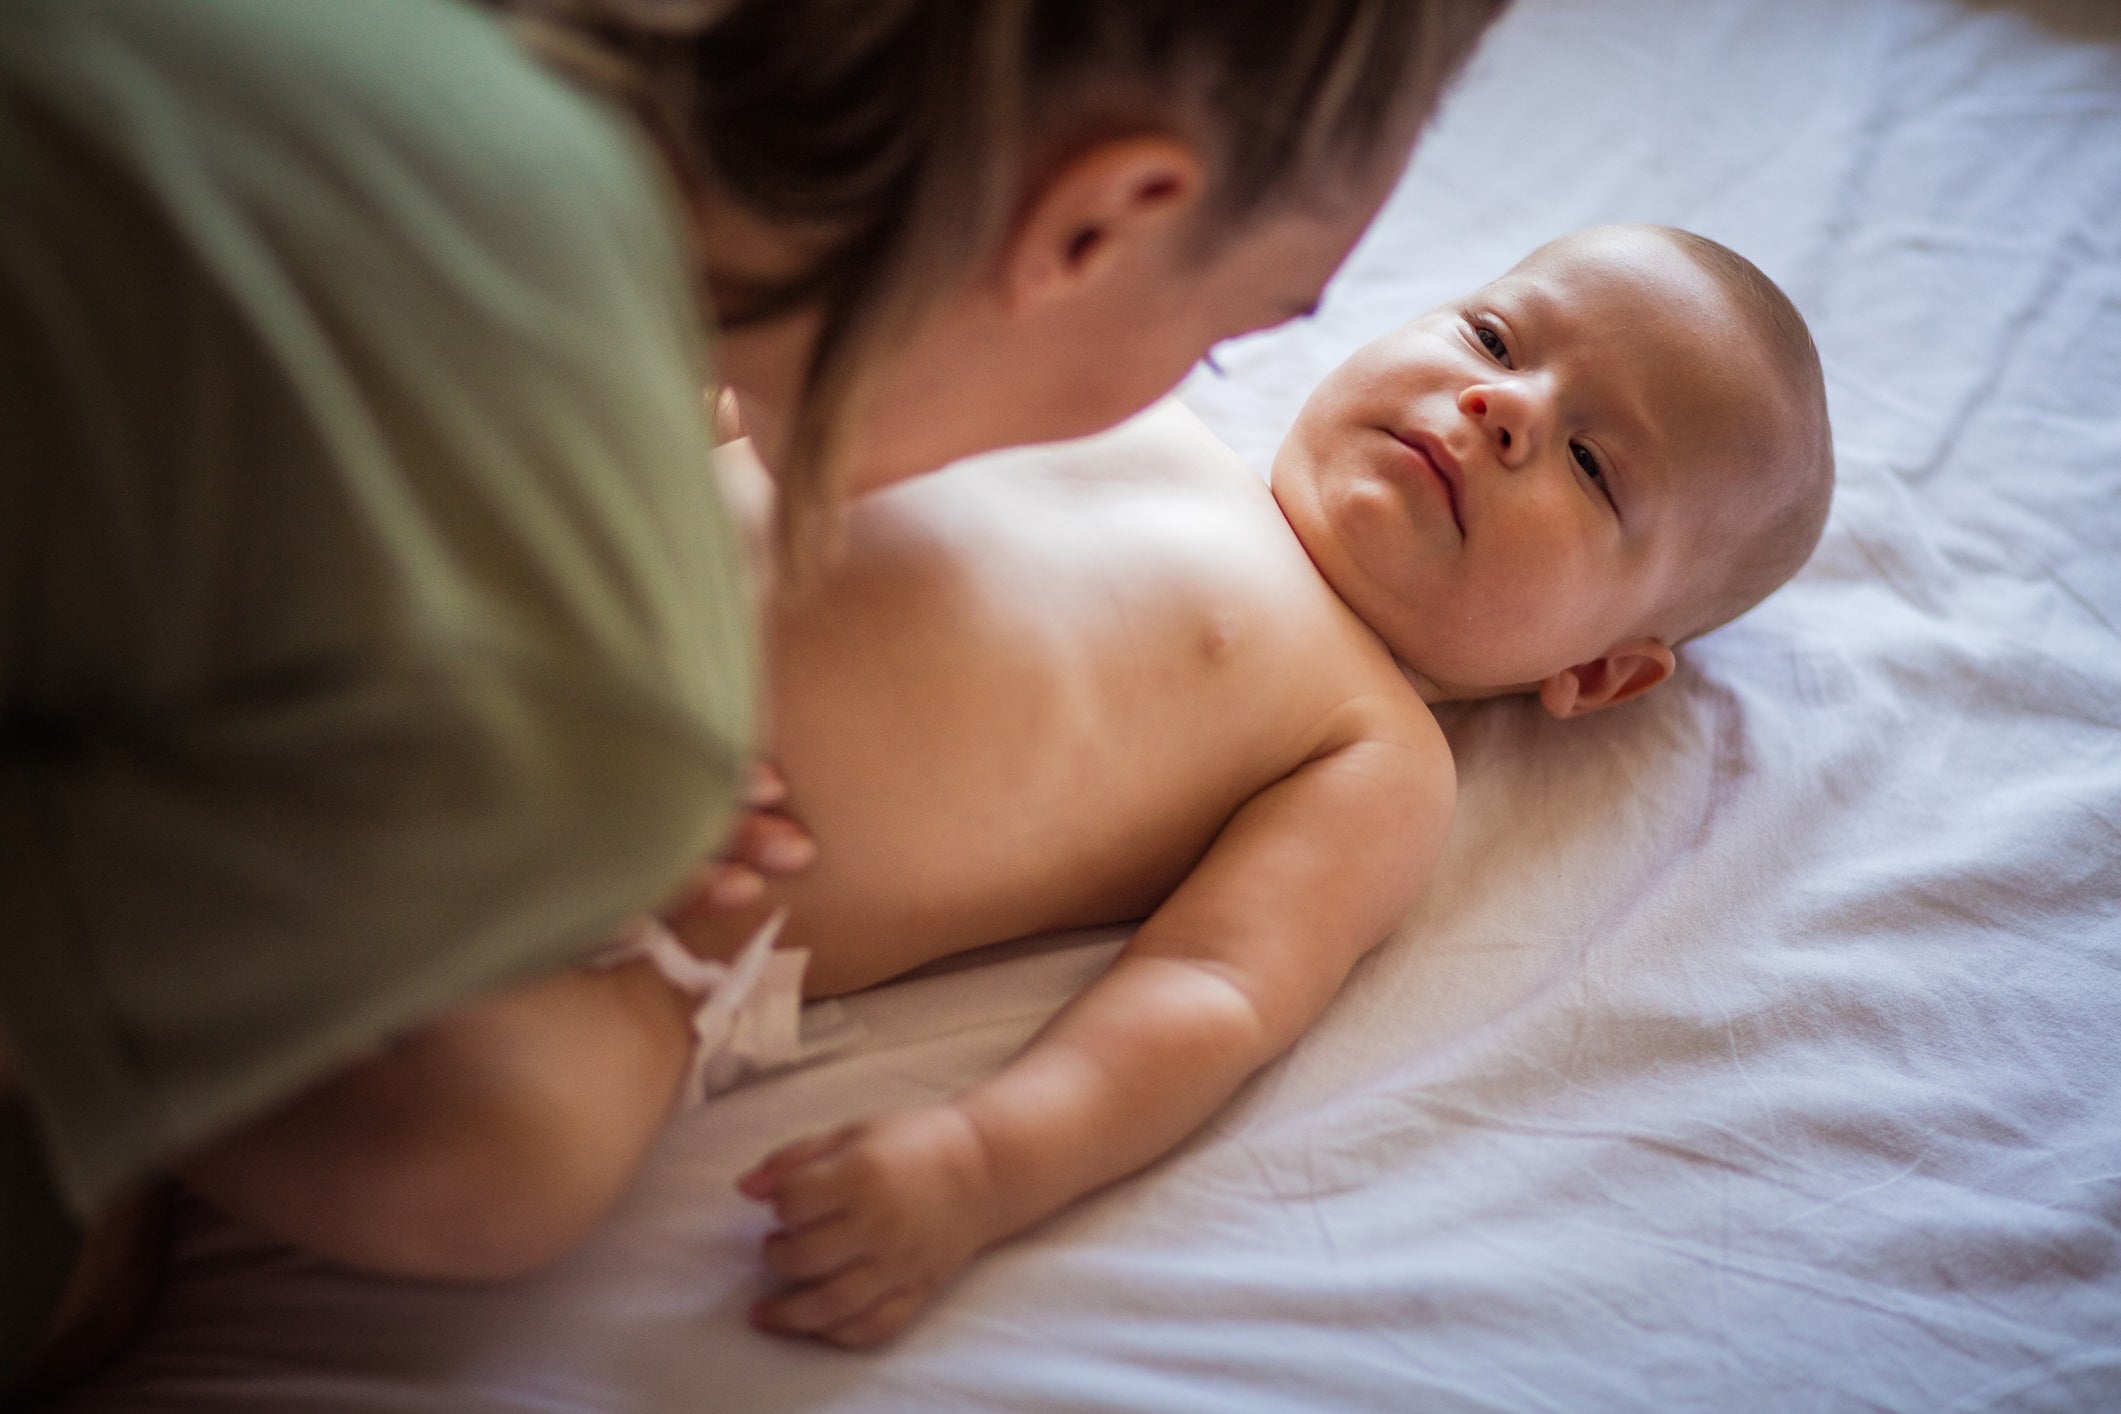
(1511,485)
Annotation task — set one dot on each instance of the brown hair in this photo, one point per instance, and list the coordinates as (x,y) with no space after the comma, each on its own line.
(896,139)
(1765,527)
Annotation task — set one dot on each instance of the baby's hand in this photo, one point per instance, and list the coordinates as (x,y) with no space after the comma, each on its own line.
(875,1218)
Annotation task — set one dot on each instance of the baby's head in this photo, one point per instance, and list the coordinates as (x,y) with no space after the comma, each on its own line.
(1551,483)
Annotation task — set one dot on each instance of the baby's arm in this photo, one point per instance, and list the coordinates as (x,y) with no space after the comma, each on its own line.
(1310,874)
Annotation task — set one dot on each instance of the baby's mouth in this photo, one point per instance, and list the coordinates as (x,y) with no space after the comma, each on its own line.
(1436,461)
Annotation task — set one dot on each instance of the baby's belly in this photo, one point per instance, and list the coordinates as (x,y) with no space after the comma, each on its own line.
(945,870)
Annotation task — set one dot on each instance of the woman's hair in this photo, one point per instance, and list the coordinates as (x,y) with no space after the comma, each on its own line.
(895,140)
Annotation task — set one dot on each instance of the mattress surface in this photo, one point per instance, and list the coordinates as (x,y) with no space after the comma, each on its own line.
(1759,1045)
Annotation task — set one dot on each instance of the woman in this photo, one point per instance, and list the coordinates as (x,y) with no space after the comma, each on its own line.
(375,644)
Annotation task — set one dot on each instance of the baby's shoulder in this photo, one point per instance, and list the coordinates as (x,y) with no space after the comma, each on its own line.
(1164,449)
(1383,704)
(1376,709)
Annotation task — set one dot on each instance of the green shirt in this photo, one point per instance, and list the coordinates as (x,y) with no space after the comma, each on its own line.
(370,633)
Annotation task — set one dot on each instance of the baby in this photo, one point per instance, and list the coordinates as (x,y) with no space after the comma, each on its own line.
(1121,678)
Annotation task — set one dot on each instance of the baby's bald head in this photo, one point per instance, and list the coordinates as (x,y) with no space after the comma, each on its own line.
(1761,519)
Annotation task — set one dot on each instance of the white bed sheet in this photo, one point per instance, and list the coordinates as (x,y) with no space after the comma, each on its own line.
(1759,1046)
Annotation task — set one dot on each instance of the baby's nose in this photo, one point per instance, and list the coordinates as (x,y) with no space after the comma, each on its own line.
(1499,417)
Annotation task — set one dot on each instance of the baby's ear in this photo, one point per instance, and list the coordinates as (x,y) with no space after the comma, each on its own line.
(1628,669)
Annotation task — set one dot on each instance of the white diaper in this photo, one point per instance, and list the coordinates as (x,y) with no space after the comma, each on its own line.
(750,1019)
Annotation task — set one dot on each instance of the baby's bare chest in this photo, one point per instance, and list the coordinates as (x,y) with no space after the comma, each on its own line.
(1002,731)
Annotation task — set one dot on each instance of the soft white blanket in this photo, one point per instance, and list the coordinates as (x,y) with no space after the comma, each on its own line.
(1760,1044)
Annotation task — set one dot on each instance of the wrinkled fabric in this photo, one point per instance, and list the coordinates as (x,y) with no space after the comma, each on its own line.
(1756,1047)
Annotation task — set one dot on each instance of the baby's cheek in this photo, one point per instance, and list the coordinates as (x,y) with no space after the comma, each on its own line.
(1508,627)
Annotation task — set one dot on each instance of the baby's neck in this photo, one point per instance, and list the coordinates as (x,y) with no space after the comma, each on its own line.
(1436,694)
(1431,692)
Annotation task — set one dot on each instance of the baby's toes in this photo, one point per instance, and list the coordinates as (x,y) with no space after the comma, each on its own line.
(880,1322)
(826,1304)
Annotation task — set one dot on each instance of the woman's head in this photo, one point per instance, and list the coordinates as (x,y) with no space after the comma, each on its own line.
(931,227)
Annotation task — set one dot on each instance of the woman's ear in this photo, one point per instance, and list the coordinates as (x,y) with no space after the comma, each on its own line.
(1119,198)
(1628,669)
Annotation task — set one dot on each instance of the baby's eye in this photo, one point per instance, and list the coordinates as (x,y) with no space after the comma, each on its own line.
(1588,460)
(1492,342)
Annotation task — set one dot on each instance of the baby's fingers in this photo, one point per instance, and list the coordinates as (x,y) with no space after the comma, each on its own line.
(824,1305)
(816,1251)
(769,1173)
(880,1322)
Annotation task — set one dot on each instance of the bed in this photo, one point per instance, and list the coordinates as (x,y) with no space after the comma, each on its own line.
(1759,1045)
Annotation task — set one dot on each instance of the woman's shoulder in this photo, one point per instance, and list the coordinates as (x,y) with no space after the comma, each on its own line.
(382,142)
